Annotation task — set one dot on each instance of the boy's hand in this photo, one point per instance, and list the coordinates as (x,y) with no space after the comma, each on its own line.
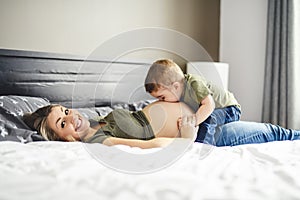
(187,126)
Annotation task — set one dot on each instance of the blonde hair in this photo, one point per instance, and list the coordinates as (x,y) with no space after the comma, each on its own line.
(162,73)
(37,121)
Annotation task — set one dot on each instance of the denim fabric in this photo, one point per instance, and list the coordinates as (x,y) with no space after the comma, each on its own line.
(219,116)
(241,132)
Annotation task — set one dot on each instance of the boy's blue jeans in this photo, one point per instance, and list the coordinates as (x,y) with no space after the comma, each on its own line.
(219,132)
(242,132)
(219,116)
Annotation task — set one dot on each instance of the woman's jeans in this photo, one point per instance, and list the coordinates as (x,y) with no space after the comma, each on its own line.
(242,132)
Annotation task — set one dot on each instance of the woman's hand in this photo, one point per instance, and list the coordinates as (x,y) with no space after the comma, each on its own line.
(187,126)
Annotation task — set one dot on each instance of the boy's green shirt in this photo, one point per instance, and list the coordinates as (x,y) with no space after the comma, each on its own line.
(196,88)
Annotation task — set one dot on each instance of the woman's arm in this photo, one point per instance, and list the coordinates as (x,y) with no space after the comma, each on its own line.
(144,144)
(188,127)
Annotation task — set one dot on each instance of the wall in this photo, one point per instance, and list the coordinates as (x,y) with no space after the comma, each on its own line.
(80,26)
(242,45)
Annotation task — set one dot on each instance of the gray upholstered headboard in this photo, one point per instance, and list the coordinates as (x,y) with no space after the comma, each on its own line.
(71,80)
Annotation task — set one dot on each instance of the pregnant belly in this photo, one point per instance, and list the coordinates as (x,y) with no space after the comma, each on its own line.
(163,117)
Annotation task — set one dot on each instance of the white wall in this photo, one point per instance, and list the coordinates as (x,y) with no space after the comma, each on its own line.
(80,26)
(242,44)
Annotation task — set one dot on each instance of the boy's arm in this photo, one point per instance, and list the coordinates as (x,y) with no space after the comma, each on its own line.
(205,110)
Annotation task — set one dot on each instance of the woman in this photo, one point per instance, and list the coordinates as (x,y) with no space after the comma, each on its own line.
(154,126)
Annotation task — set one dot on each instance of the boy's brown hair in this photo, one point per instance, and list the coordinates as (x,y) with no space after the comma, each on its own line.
(162,73)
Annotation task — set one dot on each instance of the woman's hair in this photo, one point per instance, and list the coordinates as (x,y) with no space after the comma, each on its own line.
(37,121)
(163,73)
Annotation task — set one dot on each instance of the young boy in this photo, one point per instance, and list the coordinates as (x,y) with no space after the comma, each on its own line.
(213,105)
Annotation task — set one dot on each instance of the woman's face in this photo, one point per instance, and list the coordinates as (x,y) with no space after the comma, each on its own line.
(68,123)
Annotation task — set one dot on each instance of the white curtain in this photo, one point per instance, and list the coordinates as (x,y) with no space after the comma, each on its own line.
(295,114)
(282,70)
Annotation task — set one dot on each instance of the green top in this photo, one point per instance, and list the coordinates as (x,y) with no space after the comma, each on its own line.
(197,88)
(123,123)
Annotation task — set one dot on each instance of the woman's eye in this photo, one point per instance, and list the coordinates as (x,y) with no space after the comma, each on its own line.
(67,111)
(63,124)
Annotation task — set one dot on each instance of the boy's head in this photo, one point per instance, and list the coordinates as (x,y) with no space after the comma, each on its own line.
(165,80)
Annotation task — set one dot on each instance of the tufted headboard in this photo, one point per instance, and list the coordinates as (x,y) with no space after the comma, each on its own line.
(71,80)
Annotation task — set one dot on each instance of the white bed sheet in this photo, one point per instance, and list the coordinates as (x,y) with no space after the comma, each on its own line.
(59,170)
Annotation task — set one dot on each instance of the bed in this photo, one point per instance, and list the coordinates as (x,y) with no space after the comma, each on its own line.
(32,168)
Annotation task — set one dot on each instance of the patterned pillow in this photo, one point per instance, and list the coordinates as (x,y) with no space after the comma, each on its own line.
(12,109)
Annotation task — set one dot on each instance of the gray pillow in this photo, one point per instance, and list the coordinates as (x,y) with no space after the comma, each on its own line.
(12,108)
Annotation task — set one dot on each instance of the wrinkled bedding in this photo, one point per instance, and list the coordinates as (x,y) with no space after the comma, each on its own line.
(60,170)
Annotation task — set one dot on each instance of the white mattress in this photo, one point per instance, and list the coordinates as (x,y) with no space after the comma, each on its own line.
(59,170)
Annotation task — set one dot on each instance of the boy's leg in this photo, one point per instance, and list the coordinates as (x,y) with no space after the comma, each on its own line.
(206,130)
(241,132)
(218,117)
(233,113)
